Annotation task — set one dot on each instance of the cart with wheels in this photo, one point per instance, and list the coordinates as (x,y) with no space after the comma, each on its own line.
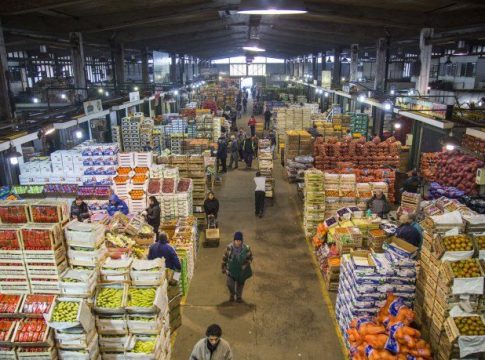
(212,235)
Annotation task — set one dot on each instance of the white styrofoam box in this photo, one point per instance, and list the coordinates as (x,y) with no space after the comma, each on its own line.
(34,167)
(57,179)
(25,168)
(26,179)
(57,168)
(69,169)
(74,180)
(46,168)
(56,156)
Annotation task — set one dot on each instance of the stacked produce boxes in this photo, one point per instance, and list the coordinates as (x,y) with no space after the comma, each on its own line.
(314,207)
(297,143)
(359,124)
(265,163)
(130,132)
(450,288)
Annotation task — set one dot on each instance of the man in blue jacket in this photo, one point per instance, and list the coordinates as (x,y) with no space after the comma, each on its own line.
(407,232)
(116,204)
(162,249)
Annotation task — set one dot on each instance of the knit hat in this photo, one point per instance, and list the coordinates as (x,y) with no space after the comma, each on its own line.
(238,235)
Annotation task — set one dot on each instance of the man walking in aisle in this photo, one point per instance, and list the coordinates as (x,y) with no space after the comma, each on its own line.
(248,151)
(259,193)
(234,149)
(236,265)
(212,347)
(267,118)
(245,104)
(252,125)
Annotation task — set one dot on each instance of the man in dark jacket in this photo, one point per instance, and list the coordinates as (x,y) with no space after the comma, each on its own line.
(236,265)
(411,184)
(162,249)
(245,104)
(79,209)
(234,150)
(267,118)
(222,153)
(408,232)
(248,150)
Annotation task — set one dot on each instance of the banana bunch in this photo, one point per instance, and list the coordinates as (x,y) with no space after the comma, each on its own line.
(109,298)
(146,347)
(141,297)
(119,240)
(138,251)
(65,311)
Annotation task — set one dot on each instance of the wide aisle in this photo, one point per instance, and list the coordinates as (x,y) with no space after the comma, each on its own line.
(284,315)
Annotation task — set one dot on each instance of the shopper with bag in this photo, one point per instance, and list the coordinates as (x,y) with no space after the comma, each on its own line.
(236,265)
(152,214)
(212,347)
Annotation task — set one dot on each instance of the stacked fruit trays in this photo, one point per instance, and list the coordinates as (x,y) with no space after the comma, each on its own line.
(13,273)
(85,243)
(45,256)
(265,157)
(74,330)
(314,207)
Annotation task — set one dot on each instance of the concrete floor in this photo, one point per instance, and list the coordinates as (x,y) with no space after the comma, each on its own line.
(284,315)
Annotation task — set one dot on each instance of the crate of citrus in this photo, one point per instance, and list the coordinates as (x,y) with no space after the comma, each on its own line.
(468,332)
(453,247)
(464,276)
(137,194)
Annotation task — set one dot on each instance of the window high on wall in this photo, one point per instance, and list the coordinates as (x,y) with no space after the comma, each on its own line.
(238,66)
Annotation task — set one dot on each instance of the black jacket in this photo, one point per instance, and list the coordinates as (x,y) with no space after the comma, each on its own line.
(153,216)
(411,184)
(267,115)
(80,212)
(211,207)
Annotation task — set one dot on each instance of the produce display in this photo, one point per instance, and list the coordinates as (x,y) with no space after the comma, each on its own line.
(457,243)
(110,298)
(154,186)
(146,347)
(139,297)
(6,327)
(466,268)
(37,304)
(357,153)
(9,303)
(388,335)
(12,212)
(137,194)
(31,330)
(168,186)
(452,169)
(60,189)
(45,214)
(37,239)
(65,311)
(470,325)
(25,190)
(473,143)
(9,239)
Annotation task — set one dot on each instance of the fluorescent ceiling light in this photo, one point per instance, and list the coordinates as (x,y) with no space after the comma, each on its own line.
(253,48)
(271,7)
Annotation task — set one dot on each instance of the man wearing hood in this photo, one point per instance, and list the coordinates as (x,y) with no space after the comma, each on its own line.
(162,249)
(236,265)
(115,205)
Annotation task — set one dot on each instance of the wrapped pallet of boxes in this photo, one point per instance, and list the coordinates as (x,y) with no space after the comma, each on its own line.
(265,164)
(314,206)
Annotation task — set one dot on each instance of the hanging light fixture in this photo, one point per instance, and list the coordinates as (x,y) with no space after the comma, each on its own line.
(253,46)
(14,155)
(271,7)
(461,48)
